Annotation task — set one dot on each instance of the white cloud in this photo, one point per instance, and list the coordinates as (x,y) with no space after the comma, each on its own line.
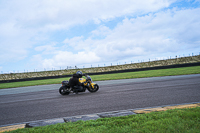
(147,35)
(48,15)
(167,31)
(27,27)
(101,31)
(64,59)
(47,49)
(73,40)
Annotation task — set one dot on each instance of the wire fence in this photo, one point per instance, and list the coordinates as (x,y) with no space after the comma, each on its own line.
(111,67)
(99,65)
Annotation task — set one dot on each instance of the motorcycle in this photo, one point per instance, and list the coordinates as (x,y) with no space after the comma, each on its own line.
(87,83)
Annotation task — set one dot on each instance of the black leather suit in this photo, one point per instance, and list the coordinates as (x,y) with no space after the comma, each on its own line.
(74,82)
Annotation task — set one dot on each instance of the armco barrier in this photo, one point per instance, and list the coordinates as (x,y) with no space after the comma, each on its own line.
(108,72)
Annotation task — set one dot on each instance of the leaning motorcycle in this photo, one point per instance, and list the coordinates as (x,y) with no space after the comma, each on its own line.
(87,84)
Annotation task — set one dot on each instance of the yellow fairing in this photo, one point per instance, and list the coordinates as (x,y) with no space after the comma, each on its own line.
(92,84)
(81,80)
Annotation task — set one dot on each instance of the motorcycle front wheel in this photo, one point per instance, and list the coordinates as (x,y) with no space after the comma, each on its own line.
(63,91)
(95,89)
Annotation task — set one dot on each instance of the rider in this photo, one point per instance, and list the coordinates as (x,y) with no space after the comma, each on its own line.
(74,81)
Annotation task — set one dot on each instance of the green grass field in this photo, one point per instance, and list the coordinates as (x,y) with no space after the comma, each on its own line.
(177,120)
(128,75)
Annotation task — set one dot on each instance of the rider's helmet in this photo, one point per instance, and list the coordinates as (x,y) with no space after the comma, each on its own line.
(79,74)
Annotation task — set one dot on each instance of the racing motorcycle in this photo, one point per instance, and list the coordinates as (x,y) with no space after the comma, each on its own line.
(87,83)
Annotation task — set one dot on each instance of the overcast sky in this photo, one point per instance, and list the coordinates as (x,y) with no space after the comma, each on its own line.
(53,34)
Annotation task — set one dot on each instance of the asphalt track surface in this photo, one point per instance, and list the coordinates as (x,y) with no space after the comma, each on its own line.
(18,105)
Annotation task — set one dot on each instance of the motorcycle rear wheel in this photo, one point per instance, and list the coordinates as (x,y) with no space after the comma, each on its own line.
(63,91)
(95,89)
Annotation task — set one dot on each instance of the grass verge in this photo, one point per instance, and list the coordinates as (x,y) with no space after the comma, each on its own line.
(128,75)
(177,120)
